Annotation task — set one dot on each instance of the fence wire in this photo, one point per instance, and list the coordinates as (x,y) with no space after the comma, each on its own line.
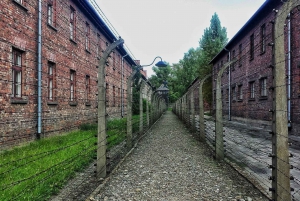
(247,100)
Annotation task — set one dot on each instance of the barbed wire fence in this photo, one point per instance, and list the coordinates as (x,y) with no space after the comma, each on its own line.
(252,134)
(72,98)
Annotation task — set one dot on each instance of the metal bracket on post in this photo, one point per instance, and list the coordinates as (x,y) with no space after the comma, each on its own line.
(201,109)
(101,144)
(281,172)
(219,113)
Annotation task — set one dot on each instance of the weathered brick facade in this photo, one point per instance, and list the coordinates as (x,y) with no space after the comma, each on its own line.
(69,67)
(252,47)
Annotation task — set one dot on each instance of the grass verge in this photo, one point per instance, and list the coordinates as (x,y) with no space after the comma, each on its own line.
(40,169)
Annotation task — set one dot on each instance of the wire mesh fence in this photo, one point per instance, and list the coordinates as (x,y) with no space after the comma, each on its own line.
(253,122)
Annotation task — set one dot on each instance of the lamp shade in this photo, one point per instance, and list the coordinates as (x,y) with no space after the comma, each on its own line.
(161,64)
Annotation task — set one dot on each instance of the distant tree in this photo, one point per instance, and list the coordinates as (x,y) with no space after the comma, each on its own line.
(211,43)
(161,74)
(194,63)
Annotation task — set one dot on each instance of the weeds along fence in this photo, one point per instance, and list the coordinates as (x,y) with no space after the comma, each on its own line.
(254,116)
(92,112)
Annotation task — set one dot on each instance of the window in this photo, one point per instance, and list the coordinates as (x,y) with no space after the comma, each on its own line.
(233,57)
(51,12)
(98,46)
(240,54)
(87,88)
(221,66)
(228,58)
(72,85)
(51,76)
(87,36)
(227,95)
(263,87)
(252,46)
(233,93)
(263,38)
(107,95)
(119,95)
(252,90)
(17,73)
(19,1)
(72,24)
(114,96)
(240,92)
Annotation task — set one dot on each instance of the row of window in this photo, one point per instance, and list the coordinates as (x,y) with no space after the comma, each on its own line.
(17,80)
(251,51)
(237,93)
(51,21)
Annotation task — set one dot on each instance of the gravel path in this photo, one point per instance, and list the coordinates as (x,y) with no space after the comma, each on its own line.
(169,164)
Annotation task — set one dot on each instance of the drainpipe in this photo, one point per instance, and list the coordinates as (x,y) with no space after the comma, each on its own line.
(39,101)
(122,94)
(289,71)
(229,87)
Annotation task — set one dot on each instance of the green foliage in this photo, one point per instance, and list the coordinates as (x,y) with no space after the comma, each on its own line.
(195,63)
(145,105)
(88,126)
(116,131)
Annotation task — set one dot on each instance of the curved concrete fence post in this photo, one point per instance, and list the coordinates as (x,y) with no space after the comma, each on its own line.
(141,126)
(281,171)
(219,143)
(101,142)
(147,107)
(201,109)
(193,122)
(129,110)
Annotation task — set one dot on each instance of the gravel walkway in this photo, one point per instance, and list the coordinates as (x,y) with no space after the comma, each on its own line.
(169,164)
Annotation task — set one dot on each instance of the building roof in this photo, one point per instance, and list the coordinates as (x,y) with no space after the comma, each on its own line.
(162,88)
(264,10)
(89,11)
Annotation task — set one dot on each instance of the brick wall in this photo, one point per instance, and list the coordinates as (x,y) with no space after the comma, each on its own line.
(18,116)
(252,70)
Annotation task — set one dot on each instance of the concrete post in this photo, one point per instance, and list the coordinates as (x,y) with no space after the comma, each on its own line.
(187,116)
(219,115)
(280,161)
(193,123)
(188,111)
(141,128)
(152,109)
(147,108)
(201,109)
(183,109)
(129,110)
(101,142)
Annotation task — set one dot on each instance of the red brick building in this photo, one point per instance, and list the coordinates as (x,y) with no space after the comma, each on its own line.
(73,37)
(246,87)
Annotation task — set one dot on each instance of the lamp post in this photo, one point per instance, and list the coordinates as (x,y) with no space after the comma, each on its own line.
(161,63)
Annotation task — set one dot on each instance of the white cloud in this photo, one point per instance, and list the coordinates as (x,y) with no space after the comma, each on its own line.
(168,28)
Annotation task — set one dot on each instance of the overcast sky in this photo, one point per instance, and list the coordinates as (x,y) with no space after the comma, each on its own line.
(169,28)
